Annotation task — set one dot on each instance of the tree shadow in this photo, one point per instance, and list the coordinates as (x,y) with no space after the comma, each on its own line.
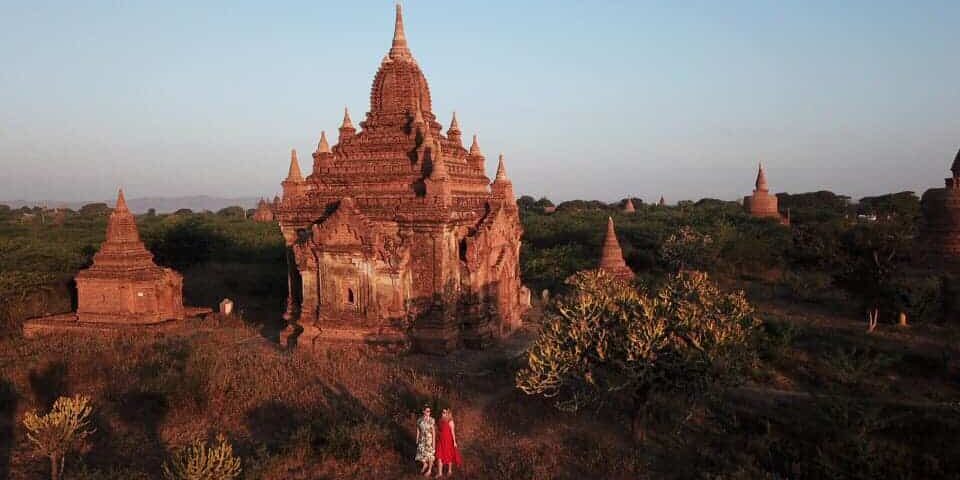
(143,412)
(49,383)
(8,410)
(328,427)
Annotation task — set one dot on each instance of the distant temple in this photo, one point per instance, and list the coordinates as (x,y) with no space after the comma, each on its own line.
(762,204)
(264,212)
(611,258)
(398,234)
(662,202)
(940,230)
(123,287)
(628,207)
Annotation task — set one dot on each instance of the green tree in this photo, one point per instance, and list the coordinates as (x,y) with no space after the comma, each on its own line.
(902,206)
(95,210)
(233,212)
(607,343)
(688,248)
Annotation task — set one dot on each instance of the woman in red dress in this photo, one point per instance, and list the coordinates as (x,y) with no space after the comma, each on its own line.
(447,452)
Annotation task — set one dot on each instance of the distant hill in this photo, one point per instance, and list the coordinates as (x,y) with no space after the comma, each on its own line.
(141,205)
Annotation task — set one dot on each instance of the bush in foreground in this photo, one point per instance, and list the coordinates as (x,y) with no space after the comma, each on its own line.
(200,462)
(60,431)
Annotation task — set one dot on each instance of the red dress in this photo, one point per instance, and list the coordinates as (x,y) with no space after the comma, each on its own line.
(447,452)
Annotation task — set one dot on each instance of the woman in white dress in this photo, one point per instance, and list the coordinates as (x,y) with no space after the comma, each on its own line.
(426,439)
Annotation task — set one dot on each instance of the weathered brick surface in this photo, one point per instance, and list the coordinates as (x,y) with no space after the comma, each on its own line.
(398,232)
(124,285)
(762,204)
(940,229)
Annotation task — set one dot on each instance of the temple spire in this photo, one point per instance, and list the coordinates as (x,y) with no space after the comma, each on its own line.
(324,146)
(454,124)
(347,122)
(453,133)
(399,47)
(121,203)
(294,174)
(611,258)
(761,179)
(956,165)
(475,147)
(121,227)
(501,171)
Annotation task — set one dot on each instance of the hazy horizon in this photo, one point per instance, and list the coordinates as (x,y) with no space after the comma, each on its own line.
(589,101)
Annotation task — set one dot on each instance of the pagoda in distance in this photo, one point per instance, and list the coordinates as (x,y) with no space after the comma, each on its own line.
(762,204)
(397,234)
(611,257)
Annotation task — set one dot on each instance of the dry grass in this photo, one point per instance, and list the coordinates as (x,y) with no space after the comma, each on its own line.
(340,413)
(827,401)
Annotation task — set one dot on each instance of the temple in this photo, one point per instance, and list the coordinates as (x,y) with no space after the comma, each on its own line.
(762,204)
(123,287)
(611,258)
(628,207)
(264,212)
(397,234)
(940,229)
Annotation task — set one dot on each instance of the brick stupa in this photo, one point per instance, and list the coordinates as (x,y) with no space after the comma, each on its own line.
(124,285)
(628,207)
(762,204)
(611,258)
(264,212)
(940,229)
(398,234)
(123,288)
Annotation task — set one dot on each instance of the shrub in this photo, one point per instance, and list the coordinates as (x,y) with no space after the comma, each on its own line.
(608,343)
(60,431)
(688,248)
(200,462)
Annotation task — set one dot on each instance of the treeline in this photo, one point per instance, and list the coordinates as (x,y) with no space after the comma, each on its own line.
(863,256)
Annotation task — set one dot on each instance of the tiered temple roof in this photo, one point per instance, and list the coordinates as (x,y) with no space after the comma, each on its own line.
(122,256)
(424,221)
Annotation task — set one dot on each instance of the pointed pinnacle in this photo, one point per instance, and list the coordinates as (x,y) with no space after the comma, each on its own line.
(475,147)
(324,146)
(454,124)
(347,122)
(294,175)
(121,202)
(761,183)
(501,171)
(399,47)
(956,164)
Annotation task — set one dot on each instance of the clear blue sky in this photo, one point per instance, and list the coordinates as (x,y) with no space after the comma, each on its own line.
(593,99)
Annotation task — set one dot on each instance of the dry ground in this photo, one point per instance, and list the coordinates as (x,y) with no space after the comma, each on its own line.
(827,401)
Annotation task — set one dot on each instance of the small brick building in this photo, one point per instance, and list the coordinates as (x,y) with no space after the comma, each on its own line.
(124,285)
(762,204)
